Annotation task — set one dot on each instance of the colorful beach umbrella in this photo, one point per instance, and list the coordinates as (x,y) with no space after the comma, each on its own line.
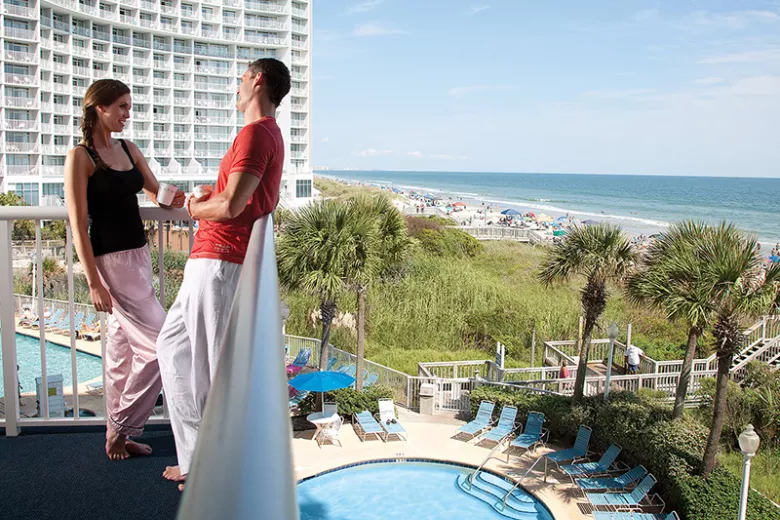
(458,204)
(560,233)
(510,212)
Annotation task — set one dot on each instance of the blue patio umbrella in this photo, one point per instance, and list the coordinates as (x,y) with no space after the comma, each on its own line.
(510,212)
(324,381)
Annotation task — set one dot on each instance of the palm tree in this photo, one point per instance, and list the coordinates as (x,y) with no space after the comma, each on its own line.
(742,291)
(601,253)
(322,248)
(391,249)
(673,280)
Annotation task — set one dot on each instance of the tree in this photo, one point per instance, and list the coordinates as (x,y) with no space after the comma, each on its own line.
(601,253)
(742,290)
(390,250)
(23,229)
(322,248)
(673,280)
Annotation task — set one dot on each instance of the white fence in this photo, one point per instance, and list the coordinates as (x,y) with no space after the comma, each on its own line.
(504,233)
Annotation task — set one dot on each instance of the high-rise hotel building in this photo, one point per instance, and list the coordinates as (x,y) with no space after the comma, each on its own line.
(182,60)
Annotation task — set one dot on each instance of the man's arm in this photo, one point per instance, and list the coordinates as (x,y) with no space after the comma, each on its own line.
(227,204)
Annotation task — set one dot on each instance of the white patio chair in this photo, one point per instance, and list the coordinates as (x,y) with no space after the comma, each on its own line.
(331,432)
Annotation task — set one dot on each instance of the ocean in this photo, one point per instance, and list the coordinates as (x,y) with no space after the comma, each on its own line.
(640,203)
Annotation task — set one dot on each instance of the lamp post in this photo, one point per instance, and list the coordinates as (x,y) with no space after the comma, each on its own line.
(612,333)
(748,443)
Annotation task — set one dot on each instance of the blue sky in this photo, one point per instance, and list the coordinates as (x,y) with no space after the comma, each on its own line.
(683,87)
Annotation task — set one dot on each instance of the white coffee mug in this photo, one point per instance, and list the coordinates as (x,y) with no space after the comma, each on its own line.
(166,193)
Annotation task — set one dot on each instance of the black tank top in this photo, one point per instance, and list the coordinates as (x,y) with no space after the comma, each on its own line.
(114,218)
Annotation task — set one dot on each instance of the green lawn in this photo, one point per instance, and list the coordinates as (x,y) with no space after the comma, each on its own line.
(764,470)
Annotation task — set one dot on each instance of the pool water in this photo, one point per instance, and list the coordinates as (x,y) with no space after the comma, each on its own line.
(395,491)
(28,355)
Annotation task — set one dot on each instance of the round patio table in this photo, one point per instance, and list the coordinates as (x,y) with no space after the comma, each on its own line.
(321,420)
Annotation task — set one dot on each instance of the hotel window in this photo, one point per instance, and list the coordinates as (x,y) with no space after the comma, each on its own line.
(303,188)
(28,191)
(57,189)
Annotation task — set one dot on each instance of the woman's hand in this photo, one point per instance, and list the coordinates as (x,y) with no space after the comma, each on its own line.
(101,298)
(178,199)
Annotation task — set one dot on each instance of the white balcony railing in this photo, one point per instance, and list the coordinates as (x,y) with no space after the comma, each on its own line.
(17,10)
(299,92)
(21,169)
(21,147)
(21,102)
(22,34)
(126,18)
(121,58)
(80,51)
(162,117)
(62,88)
(101,55)
(141,98)
(162,135)
(142,134)
(60,108)
(21,79)
(20,56)
(56,149)
(51,171)
(100,73)
(20,124)
(61,129)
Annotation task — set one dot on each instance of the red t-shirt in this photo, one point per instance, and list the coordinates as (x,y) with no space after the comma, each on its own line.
(258,149)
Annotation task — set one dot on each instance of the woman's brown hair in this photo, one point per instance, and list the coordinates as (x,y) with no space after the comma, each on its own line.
(103,92)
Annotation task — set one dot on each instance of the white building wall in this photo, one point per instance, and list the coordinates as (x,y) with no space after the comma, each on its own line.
(182,60)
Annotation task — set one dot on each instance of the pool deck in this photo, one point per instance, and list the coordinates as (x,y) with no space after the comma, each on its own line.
(431,437)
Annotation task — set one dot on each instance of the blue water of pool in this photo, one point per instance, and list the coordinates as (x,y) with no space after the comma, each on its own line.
(28,355)
(397,491)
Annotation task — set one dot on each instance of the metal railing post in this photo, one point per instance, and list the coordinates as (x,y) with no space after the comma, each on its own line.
(10,375)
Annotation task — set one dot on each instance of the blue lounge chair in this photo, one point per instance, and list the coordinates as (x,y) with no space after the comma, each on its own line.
(604,515)
(63,324)
(299,362)
(350,370)
(388,421)
(578,452)
(532,435)
(639,497)
(481,423)
(51,320)
(612,483)
(365,425)
(296,399)
(505,426)
(370,380)
(594,468)
(78,321)
(332,363)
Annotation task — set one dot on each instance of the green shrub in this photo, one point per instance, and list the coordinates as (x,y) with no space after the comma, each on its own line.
(448,242)
(717,497)
(171,260)
(349,400)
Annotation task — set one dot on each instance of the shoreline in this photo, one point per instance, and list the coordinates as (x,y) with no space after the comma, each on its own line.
(635,227)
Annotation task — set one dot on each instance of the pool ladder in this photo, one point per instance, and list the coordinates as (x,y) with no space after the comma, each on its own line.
(502,505)
(470,478)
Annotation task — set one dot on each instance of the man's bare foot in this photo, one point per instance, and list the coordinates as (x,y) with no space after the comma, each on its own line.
(116,446)
(173,473)
(137,448)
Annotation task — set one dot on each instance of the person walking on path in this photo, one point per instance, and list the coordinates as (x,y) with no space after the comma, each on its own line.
(247,188)
(102,177)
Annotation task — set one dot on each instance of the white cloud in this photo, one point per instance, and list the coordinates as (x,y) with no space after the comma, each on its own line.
(372,152)
(363,7)
(474,9)
(373,29)
(460,92)
(708,81)
(419,155)
(617,93)
(325,140)
(735,19)
(744,57)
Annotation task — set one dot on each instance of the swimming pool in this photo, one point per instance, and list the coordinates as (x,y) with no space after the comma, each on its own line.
(402,491)
(28,355)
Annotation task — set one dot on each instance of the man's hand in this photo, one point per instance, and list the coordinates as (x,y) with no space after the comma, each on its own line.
(192,203)
(178,199)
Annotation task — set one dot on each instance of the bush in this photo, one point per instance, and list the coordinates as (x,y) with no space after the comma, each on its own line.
(349,400)
(172,260)
(670,450)
(449,242)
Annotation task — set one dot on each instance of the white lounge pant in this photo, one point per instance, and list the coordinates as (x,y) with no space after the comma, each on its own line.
(189,346)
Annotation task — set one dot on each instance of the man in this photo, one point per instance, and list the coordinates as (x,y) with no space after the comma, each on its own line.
(247,188)
(632,357)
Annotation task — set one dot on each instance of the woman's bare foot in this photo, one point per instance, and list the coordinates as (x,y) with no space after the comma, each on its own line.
(173,473)
(116,446)
(137,448)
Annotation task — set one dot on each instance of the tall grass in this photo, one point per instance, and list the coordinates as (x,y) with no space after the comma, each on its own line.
(449,308)
(764,470)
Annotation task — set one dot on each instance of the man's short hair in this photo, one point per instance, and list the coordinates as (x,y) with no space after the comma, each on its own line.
(276,76)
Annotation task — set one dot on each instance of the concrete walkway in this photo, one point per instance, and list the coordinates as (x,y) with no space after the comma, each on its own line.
(431,437)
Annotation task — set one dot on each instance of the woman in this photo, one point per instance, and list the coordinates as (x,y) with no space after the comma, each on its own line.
(102,177)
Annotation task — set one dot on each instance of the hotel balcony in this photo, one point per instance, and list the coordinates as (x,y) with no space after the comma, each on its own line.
(21,147)
(21,124)
(213,103)
(300,13)
(122,58)
(163,136)
(17,10)
(300,76)
(182,136)
(20,56)
(300,45)
(142,134)
(61,129)
(299,139)
(141,98)
(299,124)
(299,92)
(101,55)
(56,149)
(128,19)
(21,79)
(82,71)
(59,108)
(163,117)
(78,91)
(21,169)
(265,7)
(21,102)
(80,51)
(51,171)
(20,34)
(162,82)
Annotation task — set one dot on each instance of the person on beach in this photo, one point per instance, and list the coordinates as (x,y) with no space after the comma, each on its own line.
(102,177)
(247,188)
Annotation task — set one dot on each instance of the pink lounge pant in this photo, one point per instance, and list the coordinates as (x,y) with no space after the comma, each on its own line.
(131,375)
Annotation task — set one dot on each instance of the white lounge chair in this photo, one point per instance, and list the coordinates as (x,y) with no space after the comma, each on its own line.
(388,421)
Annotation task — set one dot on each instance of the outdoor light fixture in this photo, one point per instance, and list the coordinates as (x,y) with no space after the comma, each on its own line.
(748,443)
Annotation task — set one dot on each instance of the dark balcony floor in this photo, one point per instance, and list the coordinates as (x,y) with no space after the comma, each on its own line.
(67,476)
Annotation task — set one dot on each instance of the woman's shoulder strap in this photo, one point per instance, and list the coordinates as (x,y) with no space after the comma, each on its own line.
(92,153)
(127,151)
